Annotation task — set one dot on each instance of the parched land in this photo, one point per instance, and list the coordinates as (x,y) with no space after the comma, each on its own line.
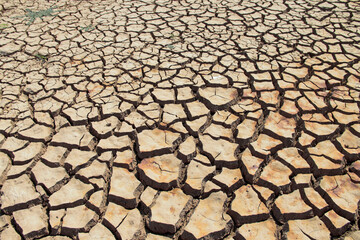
(179,119)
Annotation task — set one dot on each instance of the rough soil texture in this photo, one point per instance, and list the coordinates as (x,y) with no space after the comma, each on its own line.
(179,119)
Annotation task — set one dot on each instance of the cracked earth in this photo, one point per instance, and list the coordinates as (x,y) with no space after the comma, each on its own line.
(179,119)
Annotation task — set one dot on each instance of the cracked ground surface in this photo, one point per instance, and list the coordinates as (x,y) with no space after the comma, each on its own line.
(179,119)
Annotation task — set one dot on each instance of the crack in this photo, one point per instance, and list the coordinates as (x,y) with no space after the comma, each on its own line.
(162,170)
(306,234)
(122,221)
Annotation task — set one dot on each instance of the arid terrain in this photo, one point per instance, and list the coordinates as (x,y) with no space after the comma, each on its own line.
(179,119)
